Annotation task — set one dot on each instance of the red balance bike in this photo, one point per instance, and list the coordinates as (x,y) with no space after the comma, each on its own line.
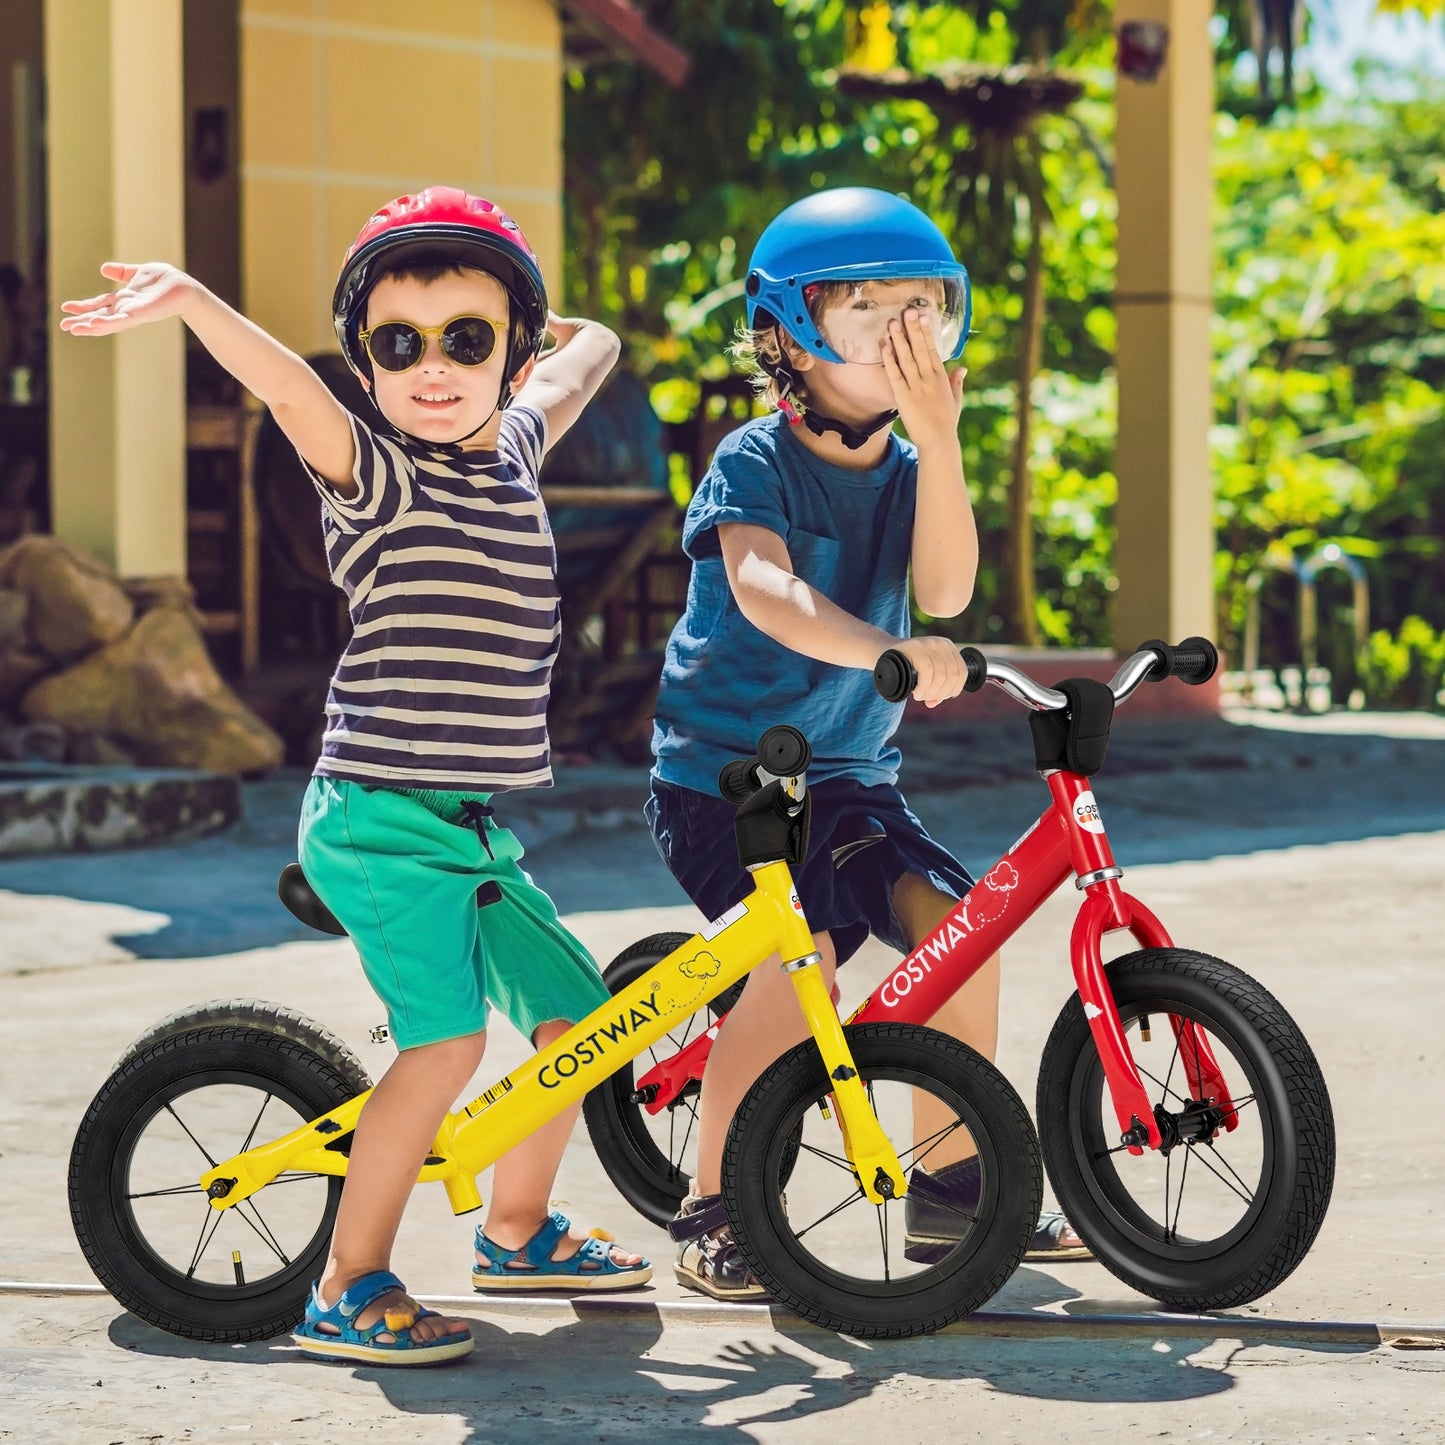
(1184,1121)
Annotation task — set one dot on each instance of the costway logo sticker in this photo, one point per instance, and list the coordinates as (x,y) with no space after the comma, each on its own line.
(1086,813)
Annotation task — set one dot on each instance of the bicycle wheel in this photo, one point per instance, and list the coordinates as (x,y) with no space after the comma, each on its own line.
(649,1157)
(162,1118)
(827,1253)
(251,1013)
(1219,1217)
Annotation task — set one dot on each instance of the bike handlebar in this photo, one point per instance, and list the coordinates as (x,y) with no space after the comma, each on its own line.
(783,752)
(1192,661)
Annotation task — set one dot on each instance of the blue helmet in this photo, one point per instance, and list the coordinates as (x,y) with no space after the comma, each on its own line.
(849,233)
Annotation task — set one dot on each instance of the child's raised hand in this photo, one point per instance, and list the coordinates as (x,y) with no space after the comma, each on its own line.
(149,292)
(940,669)
(562,329)
(928,396)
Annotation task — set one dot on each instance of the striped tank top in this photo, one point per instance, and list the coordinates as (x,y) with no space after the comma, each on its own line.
(450,574)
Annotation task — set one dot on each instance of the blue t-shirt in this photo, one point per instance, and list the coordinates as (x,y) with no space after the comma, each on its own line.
(849,534)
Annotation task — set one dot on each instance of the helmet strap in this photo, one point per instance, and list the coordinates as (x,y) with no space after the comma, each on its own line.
(503,397)
(852,437)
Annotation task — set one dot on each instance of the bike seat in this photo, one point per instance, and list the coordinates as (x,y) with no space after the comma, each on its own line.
(866,831)
(299,896)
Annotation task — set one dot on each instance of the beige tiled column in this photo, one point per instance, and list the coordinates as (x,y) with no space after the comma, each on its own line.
(114,140)
(1165,512)
(347,103)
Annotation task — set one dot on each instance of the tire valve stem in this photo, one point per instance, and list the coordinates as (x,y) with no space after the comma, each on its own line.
(824,1110)
(236,1266)
(1144,1027)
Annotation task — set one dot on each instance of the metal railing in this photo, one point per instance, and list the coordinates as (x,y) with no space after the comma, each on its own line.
(1330,557)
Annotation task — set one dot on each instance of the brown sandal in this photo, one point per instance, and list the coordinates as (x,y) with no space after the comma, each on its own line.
(708,1260)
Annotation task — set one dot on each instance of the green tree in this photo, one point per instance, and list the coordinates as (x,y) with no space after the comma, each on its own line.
(1330,299)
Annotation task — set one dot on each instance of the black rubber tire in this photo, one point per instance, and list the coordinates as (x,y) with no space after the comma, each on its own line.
(755,1167)
(653,1183)
(1284,1207)
(254,1013)
(308,1079)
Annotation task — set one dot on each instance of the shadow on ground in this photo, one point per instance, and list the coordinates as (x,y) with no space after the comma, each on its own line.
(638,1375)
(1170,792)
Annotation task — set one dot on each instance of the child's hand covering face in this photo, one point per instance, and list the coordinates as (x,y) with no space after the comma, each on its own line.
(856,325)
(927,395)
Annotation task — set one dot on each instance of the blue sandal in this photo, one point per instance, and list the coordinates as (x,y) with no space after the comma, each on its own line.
(352,1343)
(532,1267)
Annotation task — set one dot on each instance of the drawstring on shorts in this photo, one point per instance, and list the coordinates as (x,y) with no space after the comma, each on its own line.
(476,815)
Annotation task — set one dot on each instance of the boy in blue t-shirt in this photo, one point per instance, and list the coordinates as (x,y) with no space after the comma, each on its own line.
(803,535)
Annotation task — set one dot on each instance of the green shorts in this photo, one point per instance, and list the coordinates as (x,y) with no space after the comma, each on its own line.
(400,870)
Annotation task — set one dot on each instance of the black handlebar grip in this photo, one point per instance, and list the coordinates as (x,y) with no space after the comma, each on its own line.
(784,752)
(1193,661)
(894,676)
(977,665)
(736,782)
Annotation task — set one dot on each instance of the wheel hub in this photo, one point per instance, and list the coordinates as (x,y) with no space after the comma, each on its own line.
(1196,1123)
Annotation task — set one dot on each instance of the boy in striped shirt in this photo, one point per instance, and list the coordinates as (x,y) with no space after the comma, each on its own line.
(436,531)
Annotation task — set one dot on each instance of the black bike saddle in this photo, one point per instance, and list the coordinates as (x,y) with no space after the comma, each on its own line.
(299,896)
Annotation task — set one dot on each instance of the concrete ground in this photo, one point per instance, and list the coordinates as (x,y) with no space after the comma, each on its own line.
(1309,852)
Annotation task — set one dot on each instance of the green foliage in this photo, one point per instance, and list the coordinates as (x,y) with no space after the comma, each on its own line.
(1406,670)
(1329,333)
(1329,365)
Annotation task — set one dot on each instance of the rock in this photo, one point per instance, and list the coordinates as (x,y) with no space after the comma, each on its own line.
(96,749)
(18,669)
(148,593)
(156,693)
(75,604)
(14,607)
(33,743)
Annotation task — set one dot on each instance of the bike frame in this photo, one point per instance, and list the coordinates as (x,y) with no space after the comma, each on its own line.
(769,921)
(1069,837)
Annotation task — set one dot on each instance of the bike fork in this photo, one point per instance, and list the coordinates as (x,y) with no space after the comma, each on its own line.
(1107,908)
(875,1162)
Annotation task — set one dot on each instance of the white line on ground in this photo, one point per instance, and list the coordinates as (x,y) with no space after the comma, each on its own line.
(999,1323)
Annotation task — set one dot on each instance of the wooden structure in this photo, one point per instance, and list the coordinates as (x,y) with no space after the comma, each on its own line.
(223,527)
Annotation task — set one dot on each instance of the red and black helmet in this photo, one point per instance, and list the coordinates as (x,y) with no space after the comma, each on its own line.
(443,222)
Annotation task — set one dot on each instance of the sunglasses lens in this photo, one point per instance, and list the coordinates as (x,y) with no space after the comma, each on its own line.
(395,346)
(469,340)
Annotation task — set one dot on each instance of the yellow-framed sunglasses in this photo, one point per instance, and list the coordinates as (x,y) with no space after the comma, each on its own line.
(400,345)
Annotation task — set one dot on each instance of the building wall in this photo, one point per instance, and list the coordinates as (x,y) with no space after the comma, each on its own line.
(213,182)
(347,103)
(20,45)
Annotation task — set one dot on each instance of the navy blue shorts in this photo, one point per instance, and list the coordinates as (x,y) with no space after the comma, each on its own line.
(848,898)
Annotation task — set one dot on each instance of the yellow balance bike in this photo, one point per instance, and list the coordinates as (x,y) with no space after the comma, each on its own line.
(205,1175)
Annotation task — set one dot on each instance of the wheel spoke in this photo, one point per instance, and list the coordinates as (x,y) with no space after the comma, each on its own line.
(1163,1085)
(209,1226)
(882,1213)
(913,1156)
(1168,1167)
(836,1209)
(837,1160)
(1214,1151)
(244,1210)
(675,1152)
(205,1153)
(1242,1190)
(164,1193)
(1171,1229)
(255,1124)
(1173,1058)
